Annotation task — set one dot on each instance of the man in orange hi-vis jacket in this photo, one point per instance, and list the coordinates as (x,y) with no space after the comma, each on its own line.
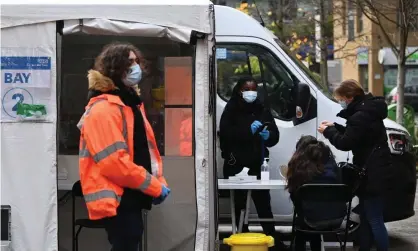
(120,166)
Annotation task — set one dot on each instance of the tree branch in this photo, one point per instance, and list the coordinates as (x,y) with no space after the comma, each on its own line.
(410,54)
(378,23)
(377,10)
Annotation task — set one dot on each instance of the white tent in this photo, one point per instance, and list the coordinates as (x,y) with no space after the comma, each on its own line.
(29,153)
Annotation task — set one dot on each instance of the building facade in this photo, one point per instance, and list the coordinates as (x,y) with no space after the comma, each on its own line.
(364,53)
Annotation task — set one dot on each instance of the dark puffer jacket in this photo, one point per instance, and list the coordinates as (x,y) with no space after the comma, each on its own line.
(239,146)
(365,135)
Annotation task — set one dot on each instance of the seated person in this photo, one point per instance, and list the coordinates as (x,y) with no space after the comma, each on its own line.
(313,163)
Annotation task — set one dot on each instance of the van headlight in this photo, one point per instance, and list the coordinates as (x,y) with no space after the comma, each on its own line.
(400,143)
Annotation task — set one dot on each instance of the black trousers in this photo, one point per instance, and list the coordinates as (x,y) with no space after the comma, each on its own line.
(261,199)
(124,231)
(302,238)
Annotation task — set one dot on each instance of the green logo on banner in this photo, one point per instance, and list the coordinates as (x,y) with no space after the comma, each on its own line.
(413,57)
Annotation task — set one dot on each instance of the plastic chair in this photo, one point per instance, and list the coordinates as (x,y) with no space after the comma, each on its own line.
(81,223)
(333,199)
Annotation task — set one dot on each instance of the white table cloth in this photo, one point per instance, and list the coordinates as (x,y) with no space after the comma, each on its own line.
(231,185)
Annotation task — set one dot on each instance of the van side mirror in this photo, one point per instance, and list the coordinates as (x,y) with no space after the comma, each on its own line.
(303,100)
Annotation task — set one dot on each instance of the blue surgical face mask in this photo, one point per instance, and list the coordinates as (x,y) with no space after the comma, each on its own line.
(343,104)
(249,96)
(134,76)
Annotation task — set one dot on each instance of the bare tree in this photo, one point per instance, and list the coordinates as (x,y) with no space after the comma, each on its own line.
(281,10)
(329,18)
(323,42)
(283,18)
(395,19)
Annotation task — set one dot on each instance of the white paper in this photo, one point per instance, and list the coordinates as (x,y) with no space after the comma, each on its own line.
(25,78)
(221,53)
(244,172)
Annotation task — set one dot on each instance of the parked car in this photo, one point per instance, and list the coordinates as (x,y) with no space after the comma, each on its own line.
(411,94)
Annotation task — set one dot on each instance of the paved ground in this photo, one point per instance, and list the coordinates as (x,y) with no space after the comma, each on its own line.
(403,234)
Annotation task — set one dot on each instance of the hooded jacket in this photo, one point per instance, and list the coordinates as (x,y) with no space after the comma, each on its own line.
(108,163)
(238,145)
(365,135)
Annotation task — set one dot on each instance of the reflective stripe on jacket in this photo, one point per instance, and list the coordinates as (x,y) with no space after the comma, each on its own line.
(106,156)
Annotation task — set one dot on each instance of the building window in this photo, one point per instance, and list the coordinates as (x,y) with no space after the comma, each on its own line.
(413,22)
(359,20)
(344,16)
(364,77)
(350,24)
(391,75)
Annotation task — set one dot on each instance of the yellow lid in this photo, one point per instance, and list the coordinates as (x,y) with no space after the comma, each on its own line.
(249,239)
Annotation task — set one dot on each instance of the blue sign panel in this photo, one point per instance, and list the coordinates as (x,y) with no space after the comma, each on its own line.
(25,63)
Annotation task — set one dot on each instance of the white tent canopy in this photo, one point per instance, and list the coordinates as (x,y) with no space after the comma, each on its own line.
(193,15)
(29,184)
(112,27)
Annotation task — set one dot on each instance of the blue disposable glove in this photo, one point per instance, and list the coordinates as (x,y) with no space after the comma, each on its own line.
(164,194)
(255,125)
(265,134)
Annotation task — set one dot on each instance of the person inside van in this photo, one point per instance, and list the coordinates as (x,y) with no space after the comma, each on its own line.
(244,141)
(364,135)
(120,166)
(314,163)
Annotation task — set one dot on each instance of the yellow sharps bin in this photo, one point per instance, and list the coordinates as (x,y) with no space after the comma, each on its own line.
(249,242)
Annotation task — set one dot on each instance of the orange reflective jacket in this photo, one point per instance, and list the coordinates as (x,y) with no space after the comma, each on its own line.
(106,152)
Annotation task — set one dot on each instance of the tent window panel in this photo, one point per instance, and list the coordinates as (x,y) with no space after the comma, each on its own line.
(179,132)
(178,80)
(78,54)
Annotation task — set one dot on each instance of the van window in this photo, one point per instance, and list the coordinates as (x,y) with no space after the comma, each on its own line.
(275,82)
(166,89)
(315,79)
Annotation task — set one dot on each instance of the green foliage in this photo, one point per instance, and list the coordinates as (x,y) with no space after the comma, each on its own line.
(255,67)
(295,34)
(317,77)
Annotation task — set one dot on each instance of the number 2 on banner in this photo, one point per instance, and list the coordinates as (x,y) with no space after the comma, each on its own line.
(19,98)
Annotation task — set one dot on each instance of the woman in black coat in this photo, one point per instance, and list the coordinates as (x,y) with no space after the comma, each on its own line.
(364,135)
(244,145)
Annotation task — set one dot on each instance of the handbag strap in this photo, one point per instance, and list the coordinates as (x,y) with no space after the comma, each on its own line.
(368,158)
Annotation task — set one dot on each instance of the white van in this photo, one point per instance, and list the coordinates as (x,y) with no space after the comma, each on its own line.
(59,42)
(246,47)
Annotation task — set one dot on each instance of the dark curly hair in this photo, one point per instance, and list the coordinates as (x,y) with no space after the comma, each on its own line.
(113,62)
(307,162)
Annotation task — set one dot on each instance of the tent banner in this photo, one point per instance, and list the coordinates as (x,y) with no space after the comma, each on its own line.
(25,85)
